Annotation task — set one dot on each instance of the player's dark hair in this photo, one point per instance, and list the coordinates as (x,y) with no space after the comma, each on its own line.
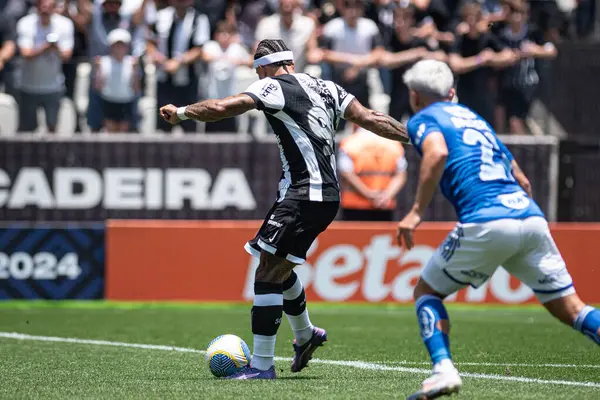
(270,46)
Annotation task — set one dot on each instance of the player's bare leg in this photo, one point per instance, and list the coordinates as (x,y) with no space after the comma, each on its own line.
(267,311)
(573,312)
(435,328)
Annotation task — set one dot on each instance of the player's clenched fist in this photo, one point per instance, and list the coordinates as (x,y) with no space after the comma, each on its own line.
(169,114)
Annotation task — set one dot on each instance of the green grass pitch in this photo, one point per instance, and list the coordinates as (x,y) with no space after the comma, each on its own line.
(504,352)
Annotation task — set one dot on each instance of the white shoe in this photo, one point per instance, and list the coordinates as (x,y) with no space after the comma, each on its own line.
(441,383)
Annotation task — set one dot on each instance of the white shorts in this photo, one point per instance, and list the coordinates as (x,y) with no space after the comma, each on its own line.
(472,252)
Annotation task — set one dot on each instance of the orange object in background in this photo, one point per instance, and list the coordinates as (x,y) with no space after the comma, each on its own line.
(206,261)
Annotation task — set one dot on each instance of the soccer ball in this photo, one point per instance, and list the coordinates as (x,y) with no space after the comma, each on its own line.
(226,355)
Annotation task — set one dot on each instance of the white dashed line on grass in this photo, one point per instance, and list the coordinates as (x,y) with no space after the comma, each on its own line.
(352,364)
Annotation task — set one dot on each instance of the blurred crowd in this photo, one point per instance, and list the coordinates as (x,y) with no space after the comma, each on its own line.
(497,48)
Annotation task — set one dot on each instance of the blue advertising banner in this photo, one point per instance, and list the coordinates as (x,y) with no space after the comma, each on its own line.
(49,262)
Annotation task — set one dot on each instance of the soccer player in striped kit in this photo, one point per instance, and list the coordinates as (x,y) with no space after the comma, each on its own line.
(304,113)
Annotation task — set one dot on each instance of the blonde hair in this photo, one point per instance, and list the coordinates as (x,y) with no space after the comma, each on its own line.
(430,77)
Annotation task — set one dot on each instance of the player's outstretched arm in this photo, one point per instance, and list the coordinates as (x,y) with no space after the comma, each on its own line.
(435,153)
(521,178)
(376,122)
(209,110)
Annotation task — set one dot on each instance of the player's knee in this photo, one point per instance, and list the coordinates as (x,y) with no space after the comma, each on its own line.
(272,269)
(422,289)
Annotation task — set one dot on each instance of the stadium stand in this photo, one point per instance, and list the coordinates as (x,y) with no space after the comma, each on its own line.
(551,20)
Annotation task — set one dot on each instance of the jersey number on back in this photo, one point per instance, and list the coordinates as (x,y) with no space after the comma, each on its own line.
(489,170)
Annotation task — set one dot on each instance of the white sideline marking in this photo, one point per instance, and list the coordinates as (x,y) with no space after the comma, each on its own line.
(352,364)
(490,364)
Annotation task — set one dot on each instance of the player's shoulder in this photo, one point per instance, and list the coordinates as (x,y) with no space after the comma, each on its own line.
(265,87)
(428,114)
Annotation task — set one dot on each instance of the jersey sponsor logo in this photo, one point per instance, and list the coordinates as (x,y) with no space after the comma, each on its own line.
(516,201)
(275,223)
(268,89)
(554,277)
(126,189)
(477,275)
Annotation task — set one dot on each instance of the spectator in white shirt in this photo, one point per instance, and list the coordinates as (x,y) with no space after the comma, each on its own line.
(352,45)
(102,17)
(45,40)
(223,55)
(118,82)
(179,35)
(292,27)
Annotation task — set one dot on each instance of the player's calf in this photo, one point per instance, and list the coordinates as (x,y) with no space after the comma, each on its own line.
(572,311)
(307,337)
(434,324)
(267,309)
(294,307)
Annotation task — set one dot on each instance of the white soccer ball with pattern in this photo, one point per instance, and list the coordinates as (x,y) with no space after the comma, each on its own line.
(226,355)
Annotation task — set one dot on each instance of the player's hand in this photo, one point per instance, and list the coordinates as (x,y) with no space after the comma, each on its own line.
(406,228)
(169,114)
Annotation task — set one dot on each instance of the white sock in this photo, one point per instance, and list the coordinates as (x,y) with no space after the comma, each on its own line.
(302,327)
(445,365)
(264,352)
(300,324)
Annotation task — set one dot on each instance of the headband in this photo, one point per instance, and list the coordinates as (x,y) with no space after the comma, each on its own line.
(274,58)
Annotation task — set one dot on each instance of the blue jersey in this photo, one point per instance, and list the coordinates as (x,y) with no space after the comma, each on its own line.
(478,178)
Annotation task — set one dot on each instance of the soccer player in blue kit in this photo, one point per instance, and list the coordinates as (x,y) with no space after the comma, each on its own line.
(500,224)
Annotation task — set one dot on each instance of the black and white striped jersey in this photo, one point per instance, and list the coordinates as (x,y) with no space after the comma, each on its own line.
(304,113)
